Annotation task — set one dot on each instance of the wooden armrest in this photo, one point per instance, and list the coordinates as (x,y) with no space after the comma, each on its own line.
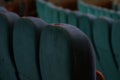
(99,75)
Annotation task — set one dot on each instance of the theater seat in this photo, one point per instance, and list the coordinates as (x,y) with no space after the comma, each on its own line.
(7,67)
(66,54)
(101,37)
(73,18)
(116,41)
(63,15)
(26,47)
(47,13)
(85,24)
(56,14)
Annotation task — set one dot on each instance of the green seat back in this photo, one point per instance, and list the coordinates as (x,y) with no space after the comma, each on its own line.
(82,7)
(73,18)
(26,47)
(55,14)
(116,41)
(92,10)
(63,15)
(47,13)
(7,67)
(40,4)
(115,16)
(85,24)
(99,11)
(101,38)
(107,13)
(66,54)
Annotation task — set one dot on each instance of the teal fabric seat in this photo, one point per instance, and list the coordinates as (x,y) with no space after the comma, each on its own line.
(85,24)
(66,54)
(107,13)
(73,18)
(7,66)
(48,12)
(63,15)
(51,13)
(92,10)
(82,7)
(115,16)
(26,47)
(55,14)
(116,41)
(101,38)
(40,5)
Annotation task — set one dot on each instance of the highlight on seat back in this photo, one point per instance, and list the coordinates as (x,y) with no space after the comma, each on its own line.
(101,38)
(73,18)
(7,66)
(26,47)
(66,54)
(116,41)
(2,9)
(85,24)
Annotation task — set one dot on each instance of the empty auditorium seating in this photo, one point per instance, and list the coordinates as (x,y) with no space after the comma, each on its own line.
(7,66)
(58,44)
(97,11)
(26,47)
(66,53)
